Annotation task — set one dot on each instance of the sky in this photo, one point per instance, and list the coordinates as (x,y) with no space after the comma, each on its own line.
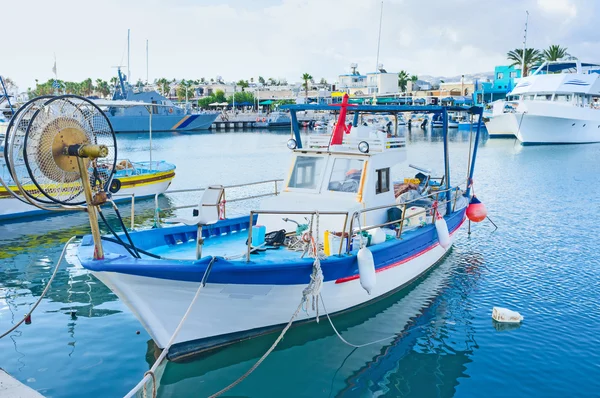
(240,39)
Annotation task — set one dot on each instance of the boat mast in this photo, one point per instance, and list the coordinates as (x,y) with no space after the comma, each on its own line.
(146,61)
(128,71)
(379,38)
(524,46)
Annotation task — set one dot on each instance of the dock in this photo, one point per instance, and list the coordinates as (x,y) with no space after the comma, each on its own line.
(248,120)
(11,387)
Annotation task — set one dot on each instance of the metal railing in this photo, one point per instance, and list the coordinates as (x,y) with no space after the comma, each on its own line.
(375,144)
(356,215)
(224,201)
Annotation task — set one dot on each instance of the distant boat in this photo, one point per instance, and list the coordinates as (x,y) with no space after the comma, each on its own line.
(279,120)
(166,116)
(558,104)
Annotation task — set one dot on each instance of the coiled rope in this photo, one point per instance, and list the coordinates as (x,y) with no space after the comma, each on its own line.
(62,256)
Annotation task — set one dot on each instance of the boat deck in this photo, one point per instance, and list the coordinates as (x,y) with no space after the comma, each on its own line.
(230,246)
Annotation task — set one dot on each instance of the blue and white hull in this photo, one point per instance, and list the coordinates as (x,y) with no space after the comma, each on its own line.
(138,124)
(240,299)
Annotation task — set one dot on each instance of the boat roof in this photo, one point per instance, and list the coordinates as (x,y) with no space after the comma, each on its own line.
(385,108)
(557,66)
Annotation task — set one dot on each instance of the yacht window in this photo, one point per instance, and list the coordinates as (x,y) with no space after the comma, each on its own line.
(307,172)
(562,97)
(346,175)
(528,97)
(383,181)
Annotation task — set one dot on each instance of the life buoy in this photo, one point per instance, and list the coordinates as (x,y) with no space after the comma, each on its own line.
(170,110)
(115,186)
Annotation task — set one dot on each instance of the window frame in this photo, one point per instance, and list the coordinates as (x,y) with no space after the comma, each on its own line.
(378,186)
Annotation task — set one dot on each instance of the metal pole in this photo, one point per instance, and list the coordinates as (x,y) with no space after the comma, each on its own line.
(12,112)
(295,128)
(524,46)
(379,38)
(446,159)
(91,209)
(476,145)
(146,61)
(132,211)
(150,130)
(128,71)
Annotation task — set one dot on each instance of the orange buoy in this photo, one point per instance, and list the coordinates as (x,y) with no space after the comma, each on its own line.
(476,210)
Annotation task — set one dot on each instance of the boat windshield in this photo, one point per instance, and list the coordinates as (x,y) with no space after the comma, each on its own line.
(307,172)
(346,175)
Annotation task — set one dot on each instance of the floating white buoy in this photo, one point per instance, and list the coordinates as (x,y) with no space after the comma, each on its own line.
(378,236)
(366,269)
(442,230)
(505,315)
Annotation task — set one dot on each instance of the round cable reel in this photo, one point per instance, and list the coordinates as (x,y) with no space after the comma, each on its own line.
(13,159)
(54,176)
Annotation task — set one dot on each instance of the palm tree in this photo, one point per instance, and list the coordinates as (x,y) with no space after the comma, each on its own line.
(402,80)
(306,77)
(532,58)
(555,52)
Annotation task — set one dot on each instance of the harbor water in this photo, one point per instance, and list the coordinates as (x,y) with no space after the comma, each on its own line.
(541,261)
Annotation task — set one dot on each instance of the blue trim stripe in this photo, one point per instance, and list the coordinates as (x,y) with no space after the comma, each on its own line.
(187,122)
(256,271)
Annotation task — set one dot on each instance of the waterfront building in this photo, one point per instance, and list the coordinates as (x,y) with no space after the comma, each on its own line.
(503,83)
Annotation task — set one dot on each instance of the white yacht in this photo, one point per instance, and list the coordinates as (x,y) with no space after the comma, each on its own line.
(558,104)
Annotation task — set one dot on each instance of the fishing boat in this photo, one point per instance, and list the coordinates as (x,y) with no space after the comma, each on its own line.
(166,116)
(354,223)
(438,121)
(132,180)
(558,104)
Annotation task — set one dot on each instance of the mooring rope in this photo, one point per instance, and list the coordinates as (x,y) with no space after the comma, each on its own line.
(151,373)
(62,256)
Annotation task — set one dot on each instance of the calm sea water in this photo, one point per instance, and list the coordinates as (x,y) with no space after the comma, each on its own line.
(542,261)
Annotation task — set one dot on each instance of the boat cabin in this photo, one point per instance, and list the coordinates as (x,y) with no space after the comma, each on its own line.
(346,177)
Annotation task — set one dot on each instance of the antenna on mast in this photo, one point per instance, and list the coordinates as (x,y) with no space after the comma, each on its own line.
(524,45)
(379,38)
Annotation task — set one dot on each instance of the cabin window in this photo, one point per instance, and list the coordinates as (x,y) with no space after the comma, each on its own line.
(383,180)
(500,75)
(513,74)
(346,175)
(307,172)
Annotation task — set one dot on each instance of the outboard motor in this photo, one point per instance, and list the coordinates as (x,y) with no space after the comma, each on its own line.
(424,123)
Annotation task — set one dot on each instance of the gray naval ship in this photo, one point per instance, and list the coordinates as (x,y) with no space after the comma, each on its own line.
(166,116)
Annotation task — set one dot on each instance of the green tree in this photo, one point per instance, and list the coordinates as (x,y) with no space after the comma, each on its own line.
(403,80)
(185,90)
(261,80)
(532,58)
(102,88)
(414,78)
(554,53)
(306,77)
(243,84)
(323,81)
(163,86)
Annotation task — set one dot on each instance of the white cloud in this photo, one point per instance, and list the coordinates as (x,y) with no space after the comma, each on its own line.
(279,38)
(561,8)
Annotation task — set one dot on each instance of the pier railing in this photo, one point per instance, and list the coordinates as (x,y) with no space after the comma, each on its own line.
(224,200)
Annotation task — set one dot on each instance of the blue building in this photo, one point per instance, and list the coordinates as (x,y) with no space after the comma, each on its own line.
(504,82)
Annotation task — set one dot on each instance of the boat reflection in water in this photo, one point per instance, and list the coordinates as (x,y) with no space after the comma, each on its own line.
(431,334)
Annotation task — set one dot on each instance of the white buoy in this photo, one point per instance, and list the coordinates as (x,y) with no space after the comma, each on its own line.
(378,236)
(366,269)
(505,315)
(442,231)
